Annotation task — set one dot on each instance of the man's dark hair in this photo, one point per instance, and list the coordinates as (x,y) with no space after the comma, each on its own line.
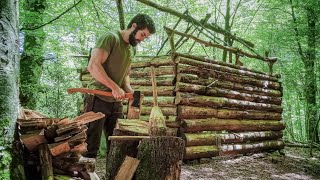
(143,21)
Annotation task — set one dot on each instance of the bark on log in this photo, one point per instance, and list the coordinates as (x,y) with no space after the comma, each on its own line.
(218,67)
(220,75)
(146,110)
(211,61)
(214,138)
(220,102)
(186,78)
(161,158)
(162,90)
(166,101)
(118,151)
(189,112)
(219,92)
(45,162)
(140,127)
(169,119)
(161,81)
(214,124)
(153,61)
(145,72)
(234,149)
(196,152)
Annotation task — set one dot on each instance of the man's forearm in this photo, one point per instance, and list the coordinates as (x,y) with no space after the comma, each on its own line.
(126,85)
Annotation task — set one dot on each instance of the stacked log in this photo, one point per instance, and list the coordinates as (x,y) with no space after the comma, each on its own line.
(140,80)
(55,145)
(226,110)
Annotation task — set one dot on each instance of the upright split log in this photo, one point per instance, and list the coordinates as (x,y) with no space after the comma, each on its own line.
(214,138)
(217,67)
(214,124)
(189,112)
(45,162)
(161,158)
(220,75)
(209,101)
(219,92)
(186,78)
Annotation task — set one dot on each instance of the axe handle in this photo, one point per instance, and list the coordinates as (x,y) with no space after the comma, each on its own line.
(97,92)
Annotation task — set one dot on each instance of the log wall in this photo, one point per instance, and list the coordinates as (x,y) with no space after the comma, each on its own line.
(217,108)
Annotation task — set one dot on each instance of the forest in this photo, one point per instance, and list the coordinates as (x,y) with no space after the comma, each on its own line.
(44,44)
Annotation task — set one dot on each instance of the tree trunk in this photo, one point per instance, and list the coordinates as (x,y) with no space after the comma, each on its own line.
(33,54)
(219,92)
(214,138)
(9,102)
(186,78)
(189,112)
(227,27)
(160,158)
(214,124)
(220,102)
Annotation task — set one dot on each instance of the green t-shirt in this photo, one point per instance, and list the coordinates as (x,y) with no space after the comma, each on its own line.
(118,61)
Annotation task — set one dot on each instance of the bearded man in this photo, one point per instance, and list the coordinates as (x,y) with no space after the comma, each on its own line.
(109,66)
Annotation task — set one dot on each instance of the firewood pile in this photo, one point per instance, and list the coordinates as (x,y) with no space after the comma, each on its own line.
(54,145)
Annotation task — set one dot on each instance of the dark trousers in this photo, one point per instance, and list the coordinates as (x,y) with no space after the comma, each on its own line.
(112,111)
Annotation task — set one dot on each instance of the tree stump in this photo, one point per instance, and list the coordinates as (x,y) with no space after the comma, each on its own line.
(118,151)
(160,158)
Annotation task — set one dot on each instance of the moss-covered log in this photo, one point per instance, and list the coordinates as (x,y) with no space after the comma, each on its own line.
(163,101)
(224,76)
(214,124)
(161,81)
(167,118)
(233,149)
(145,72)
(219,92)
(142,127)
(146,110)
(190,112)
(214,138)
(206,65)
(211,61)
(219,102)
(152,61)
(196,152)
(162,90)
(187,78)
(160,158)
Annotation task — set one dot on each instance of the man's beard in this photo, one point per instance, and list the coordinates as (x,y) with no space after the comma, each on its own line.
(132,40)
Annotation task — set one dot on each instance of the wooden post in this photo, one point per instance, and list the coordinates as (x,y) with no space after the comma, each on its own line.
(45,162)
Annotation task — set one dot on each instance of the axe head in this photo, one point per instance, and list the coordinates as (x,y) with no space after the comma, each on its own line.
(136,99)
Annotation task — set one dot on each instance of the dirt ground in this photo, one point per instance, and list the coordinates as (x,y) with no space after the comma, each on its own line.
(294,165)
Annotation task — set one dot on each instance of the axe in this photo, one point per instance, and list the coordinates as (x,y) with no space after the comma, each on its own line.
(134,107)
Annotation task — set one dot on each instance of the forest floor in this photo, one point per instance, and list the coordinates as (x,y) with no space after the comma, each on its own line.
(294,165)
